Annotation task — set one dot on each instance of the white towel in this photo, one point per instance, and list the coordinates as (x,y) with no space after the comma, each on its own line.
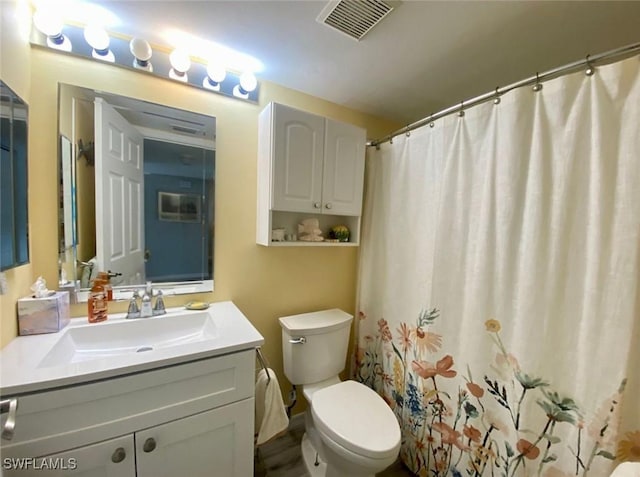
(627,469)
(271,416)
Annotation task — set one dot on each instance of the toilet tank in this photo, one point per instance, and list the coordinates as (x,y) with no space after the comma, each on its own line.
(324,351)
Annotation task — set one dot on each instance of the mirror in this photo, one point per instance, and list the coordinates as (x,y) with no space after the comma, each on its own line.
(137,187)
(14,238)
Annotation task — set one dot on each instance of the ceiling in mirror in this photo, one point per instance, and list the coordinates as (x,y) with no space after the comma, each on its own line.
(137,193)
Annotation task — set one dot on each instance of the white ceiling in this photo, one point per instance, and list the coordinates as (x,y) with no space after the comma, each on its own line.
(425,56)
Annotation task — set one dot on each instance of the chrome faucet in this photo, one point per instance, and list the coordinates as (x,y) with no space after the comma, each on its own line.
(146,309)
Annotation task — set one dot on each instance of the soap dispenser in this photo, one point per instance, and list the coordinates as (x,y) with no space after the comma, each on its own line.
(97,302)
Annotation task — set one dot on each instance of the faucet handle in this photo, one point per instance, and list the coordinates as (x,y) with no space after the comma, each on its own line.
(158,307)
(134,310)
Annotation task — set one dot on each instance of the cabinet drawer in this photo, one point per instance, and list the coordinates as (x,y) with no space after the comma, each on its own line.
(53,421)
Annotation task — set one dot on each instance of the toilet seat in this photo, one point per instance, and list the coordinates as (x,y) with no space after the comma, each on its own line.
(356,418)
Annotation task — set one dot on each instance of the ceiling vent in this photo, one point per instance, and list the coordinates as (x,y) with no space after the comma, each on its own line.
(184,130)
(355,18)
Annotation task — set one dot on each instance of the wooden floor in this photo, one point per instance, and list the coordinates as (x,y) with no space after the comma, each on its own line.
(282,457)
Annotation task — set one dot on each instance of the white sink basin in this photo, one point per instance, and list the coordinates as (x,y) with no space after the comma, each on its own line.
(84,352)
(127,337)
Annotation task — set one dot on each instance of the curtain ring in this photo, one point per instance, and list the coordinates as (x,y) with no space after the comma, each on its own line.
(408,131)
(538,86)
(431,123)
(590,68)
(461,112)
(496,99)
(391,140)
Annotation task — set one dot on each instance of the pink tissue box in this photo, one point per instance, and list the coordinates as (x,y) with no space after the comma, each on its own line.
(43,315)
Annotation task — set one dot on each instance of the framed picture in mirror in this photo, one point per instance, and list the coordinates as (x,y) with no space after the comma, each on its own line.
(175,207)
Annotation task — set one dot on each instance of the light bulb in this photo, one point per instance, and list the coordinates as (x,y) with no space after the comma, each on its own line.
(98,39)
(49,22)
(141,50)
(180,64)
(248,83)
(215,75)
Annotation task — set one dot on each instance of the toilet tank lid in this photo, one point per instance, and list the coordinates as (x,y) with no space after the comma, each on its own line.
(315,322)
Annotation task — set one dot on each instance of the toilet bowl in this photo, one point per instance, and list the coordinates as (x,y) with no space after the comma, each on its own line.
(350,430)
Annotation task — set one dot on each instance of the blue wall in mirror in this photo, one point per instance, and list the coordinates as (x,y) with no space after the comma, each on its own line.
(14,223)
(178,247)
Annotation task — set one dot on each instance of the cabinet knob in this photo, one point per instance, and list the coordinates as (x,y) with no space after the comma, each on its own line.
(118,455)
(328,206)
(149,445)
(316,205)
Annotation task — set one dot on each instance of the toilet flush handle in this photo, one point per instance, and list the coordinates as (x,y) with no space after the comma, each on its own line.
(301,340)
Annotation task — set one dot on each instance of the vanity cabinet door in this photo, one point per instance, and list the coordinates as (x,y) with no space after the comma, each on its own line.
(112,458)
(298,152)
(213,443)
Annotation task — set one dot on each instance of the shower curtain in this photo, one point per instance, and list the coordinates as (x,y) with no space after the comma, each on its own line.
(499,304)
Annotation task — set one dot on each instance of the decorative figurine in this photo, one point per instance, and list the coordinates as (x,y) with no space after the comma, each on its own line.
(309,231)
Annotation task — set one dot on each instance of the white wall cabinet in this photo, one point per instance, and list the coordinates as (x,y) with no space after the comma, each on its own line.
(193,419)
(308,166)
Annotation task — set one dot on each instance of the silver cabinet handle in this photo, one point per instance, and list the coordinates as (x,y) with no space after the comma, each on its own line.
(10,406)
(328,206)
(118,455)
(149,445)
(301,340)
(316,205)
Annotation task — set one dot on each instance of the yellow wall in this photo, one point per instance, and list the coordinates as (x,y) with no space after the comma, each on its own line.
(15,72)
(264,283)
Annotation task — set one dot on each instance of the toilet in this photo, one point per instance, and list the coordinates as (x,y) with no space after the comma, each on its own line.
(349,429)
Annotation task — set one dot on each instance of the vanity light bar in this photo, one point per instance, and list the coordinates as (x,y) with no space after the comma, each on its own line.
(136,54)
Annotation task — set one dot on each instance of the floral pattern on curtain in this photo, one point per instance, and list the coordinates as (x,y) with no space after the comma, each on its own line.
(459,433)
(499,283)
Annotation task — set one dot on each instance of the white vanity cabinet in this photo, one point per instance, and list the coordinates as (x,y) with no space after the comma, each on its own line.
(308,167)
(195,418)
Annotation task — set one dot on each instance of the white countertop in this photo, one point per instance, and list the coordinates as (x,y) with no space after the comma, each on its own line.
(22,369)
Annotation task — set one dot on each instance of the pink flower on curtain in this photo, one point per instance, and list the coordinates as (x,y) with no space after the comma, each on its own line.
(528,449)
(428,370)
(426,340)
(383,329)
(472,433)
(475,389)
(405,337)
(449,435)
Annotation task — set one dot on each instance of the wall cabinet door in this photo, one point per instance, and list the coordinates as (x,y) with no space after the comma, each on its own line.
(112,458)
(298,151)
(213,443)
(343,176)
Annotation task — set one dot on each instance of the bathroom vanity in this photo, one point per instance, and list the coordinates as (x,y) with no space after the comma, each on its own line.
(163,396)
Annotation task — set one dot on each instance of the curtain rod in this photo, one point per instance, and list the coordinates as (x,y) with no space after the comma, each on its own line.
(628,50)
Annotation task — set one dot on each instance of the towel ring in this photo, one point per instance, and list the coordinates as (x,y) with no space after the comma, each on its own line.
(263,364)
